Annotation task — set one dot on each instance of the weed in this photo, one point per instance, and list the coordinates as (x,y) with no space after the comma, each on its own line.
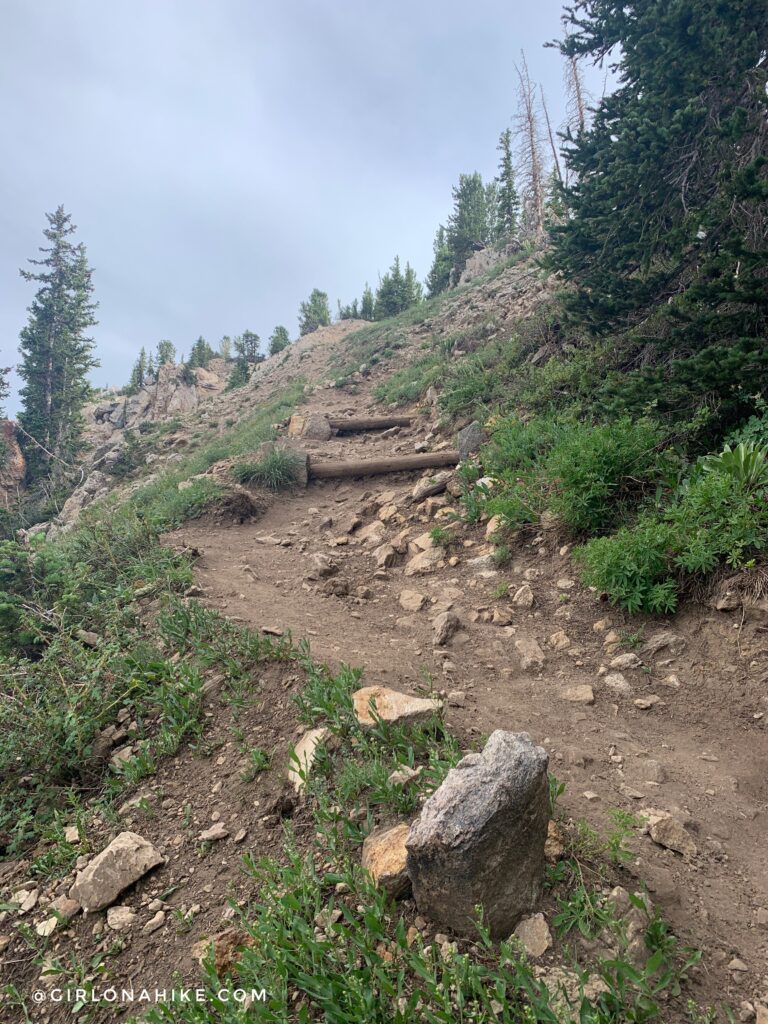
(278,470)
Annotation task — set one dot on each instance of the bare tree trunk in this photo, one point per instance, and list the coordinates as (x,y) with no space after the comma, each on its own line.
(527,131)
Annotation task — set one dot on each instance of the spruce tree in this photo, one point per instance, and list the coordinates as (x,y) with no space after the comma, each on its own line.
(279,339)
(166,352)
(666,237)
(247,347)
(468,223)
(508,199)
(367,304)
(314,313)
(56,352)
(439,275)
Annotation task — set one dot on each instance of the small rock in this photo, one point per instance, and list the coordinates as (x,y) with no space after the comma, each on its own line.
(445,625)
(738,965)
(502,617)
(578,694)
(456,698)
(470,439)
(669,833)
(71,834)
(530,653)
(430,485)
(554,847)
(425,562)
(523,597)
(120,919)
(628,660)
(391,706)
(304,754)
(616,681)
(566,584)
(384,857)
(124,861)
(154,923)
(404,776)
(560,640)
(214,834)
(412,600)
(534,934)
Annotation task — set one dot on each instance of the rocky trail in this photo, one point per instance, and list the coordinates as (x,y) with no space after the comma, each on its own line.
(665,720)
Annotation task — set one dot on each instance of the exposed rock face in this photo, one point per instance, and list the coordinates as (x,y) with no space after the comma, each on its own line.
(13,466)
(384,856)
(127,859)
(480,837)
(469,440)
(391,706)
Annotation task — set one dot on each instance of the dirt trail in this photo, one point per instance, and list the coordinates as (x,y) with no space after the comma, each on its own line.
(686,735)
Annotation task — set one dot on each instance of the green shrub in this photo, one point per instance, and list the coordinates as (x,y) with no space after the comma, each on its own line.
(277,470)
(600,473)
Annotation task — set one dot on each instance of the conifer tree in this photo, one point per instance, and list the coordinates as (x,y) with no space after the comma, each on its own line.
(314,313)
(225,347)
(528,134)
(367,304)
(468,223)
(349,312)
(279,339)
(667,234)
(151,374)
(56,351)
(200,354)
(166,352)
(508,199)
(440,273)
(247,347)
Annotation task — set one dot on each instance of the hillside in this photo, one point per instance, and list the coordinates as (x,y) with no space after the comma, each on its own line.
(165,685)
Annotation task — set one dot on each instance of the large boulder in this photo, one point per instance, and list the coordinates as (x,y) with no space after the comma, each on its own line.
(127,859)
(480,838)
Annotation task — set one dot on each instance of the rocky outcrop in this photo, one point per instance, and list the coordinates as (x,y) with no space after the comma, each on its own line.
(13,466)
(480,838)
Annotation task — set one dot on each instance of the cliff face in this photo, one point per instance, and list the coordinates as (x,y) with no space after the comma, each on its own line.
(12,464)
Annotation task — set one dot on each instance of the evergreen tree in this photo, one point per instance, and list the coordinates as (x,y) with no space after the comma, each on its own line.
(151,375)
(412,289)
(166,352)
(225,347)
(492,210)
(240,374)
(4,391)
(508,199)
(314,313)
(468,223)
(667,237)
(349,312)
(279,339)
(398,290)
(367,304)
(200,354)
(247,347)
(56,351)
(440,273)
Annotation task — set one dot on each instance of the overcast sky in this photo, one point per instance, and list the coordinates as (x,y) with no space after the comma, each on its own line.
(221,158)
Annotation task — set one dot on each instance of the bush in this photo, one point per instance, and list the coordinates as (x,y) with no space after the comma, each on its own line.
(277,471)
(715,518)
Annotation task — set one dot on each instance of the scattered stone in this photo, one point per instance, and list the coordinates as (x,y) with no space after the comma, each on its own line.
(26,899)
(502,617)
(88,637)
(669,833)
(384,857)
(120,919)
(321,567)
(523,597)
(560,640)
(578,694)
(649,770)
(412,600)
(425,562)
(5,941)
(664,639)
(46,928)
(566,584)
(403,776)
(445,625)
(336,588)
(392,706)
(554,847)
(64,908)
(430,485)
(534,934)
(530,653)
(738,965)
(127,859)
(646,703)
(601,625)
(635,921)
(590,795)
(492,526)
(304,754)
(628,660)
(215,833)
(71,834)
(227,947)
(154,923)
(456,698)
(470,439)
(616,681)
(385,556)
(480,837)
(762,917)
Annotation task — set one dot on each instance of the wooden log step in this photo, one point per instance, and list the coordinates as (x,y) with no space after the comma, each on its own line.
(354,425)
(319,470)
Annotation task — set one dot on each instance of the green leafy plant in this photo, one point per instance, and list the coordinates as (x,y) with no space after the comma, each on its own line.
(278,470)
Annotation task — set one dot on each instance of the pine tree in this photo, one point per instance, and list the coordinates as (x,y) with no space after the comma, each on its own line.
(439,275)
(468,223)
(349,312)
(247,347)
(166,352)
(412,288)
(667,234)
(56,351)
(279,339)
(508,199)
(528,134)
(367,304)
(200,354)
(314,313)
(151,375)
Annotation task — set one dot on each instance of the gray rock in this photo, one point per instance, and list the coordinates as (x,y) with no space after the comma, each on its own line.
(530,653)
(429,485)
(480,838)
(445,625)
(127,859)
(470,439)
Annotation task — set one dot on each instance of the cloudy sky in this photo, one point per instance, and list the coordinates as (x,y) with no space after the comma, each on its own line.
(221,158)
